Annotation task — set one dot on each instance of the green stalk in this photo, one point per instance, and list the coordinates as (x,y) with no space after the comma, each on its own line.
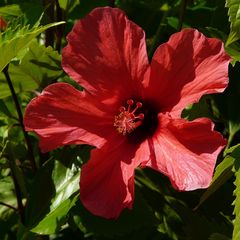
(20,118)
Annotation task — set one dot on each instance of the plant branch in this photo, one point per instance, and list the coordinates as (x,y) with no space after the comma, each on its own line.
(9,206)
(49,10)
(20,118)
(182,13)
(157,35)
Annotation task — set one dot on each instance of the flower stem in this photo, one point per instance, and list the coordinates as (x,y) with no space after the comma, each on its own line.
(182,13)
(20,118)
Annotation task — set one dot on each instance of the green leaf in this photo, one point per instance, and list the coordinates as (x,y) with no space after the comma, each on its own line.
(24,234)
(233,49)
(15,40)
(222,173)
(56,218)
(233,151)
(68,5)
(39,67)
(28,11)
(53,193)
(234,18)
(7,196)
(199,226)
(200,109)
(141,215)
(11,10)
(236,203)
(4,109)
(218,236)
(173,22)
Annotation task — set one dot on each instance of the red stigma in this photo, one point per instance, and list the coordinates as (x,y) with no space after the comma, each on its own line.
(126,121)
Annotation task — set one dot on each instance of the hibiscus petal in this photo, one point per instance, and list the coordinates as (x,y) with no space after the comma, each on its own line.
(186,152)
(188,66)
(107,179)
(106,53)
(63,115)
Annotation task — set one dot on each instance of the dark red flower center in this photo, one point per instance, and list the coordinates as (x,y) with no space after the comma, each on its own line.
(129,117)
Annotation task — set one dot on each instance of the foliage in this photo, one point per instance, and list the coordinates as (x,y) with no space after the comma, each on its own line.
(30,50)
(234,18)
(236,203)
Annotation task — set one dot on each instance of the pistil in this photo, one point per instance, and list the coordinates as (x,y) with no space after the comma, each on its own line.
(127,120)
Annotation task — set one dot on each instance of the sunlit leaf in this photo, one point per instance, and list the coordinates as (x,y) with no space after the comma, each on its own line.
(39,67)
(15,40)
(68,5)
(53,193)
(236,203)
(11,10)
(234,18)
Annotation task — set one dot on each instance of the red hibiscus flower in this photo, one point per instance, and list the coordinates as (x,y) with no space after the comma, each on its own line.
(130,110)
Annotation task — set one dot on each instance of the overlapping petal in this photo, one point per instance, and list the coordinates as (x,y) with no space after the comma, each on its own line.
(186,152)
(188,66)
(63,115)
(107,179)
(106,53)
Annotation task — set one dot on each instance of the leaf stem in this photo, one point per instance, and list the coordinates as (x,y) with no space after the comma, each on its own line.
(20,118)
(230,138)
(181,15)
(9,206)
